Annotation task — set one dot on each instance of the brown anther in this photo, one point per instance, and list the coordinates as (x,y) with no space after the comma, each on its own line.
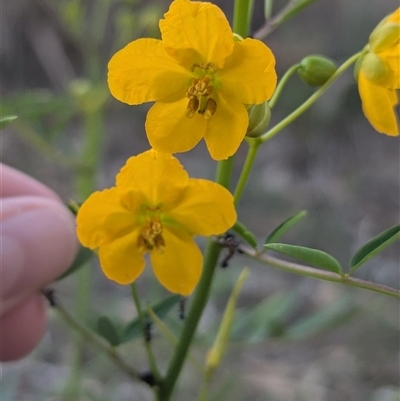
(143,245)
(199,92)
(202,85)
(208,91)
(211,107)
(156,227)
(152,229)
(191,92)
(151,237)
(192,107)
(159,243)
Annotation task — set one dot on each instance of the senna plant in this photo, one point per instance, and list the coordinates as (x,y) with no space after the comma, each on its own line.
(210,81)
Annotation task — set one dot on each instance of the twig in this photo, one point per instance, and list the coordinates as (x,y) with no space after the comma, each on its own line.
(309,271)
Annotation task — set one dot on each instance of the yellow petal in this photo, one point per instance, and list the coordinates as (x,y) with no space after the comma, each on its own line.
(378,105)
(142,71)
(226,128)
(205,208)
(158,177)
(196,32)
(395,17)
(249,73)
(170,130)
(102,218)
(179,267)
(121,260)
(392,58)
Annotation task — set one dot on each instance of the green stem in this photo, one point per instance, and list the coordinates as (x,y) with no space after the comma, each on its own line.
(268,5)
(93,135)
(254,144)
(203,391)
(146,341)
(97,342)
(199,302)
(320,274)
(224,172)
(291,9)
(282,83)
(241,24)
(242,14)
(311,100)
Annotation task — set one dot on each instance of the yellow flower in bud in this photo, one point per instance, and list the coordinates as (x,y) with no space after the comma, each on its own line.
(154,208)
(379,76)
(200,76)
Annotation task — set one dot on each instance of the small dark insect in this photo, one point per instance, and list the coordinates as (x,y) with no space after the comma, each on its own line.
(182,308)
(148,378)
(148,331)
(229,242)
(49,294)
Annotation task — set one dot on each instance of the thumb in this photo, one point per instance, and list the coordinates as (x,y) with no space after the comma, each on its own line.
(38,243)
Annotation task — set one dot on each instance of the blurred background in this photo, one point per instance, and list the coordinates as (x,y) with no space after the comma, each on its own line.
(296,338)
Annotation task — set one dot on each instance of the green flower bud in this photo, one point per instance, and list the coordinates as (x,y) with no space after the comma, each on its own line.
(384,37)
(315,70)
(357,67)
(259,118)
(374,68)
(215,354)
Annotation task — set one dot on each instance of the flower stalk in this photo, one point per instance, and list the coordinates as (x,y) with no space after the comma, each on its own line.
(95,340)
(254,144)
(311,100)
(242,15)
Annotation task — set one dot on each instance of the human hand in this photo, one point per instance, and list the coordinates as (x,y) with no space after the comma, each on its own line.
(37,243)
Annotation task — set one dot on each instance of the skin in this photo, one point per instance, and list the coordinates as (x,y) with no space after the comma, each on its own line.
(37,244)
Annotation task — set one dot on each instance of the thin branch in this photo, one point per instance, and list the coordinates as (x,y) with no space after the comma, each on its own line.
(92,337)
(309,271)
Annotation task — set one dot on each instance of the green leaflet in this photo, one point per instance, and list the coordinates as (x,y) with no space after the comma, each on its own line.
(285,226)
(106,328)
(373,247)
(310,256)
(247,235)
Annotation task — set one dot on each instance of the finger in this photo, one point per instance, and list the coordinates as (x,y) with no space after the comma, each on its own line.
(38,244)
(22,328)
(15,183)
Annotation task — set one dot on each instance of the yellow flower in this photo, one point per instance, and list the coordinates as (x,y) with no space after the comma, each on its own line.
(379,76)
(199,76)
(154,208)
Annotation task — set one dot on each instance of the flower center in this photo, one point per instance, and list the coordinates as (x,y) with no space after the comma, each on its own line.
(200,91)
(151,234)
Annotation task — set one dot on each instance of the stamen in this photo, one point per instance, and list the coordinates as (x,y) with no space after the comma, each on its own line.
(192,107)
(211,107)
(150,236)
(208,91)
(159,243)
(143,245)
(200,90)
